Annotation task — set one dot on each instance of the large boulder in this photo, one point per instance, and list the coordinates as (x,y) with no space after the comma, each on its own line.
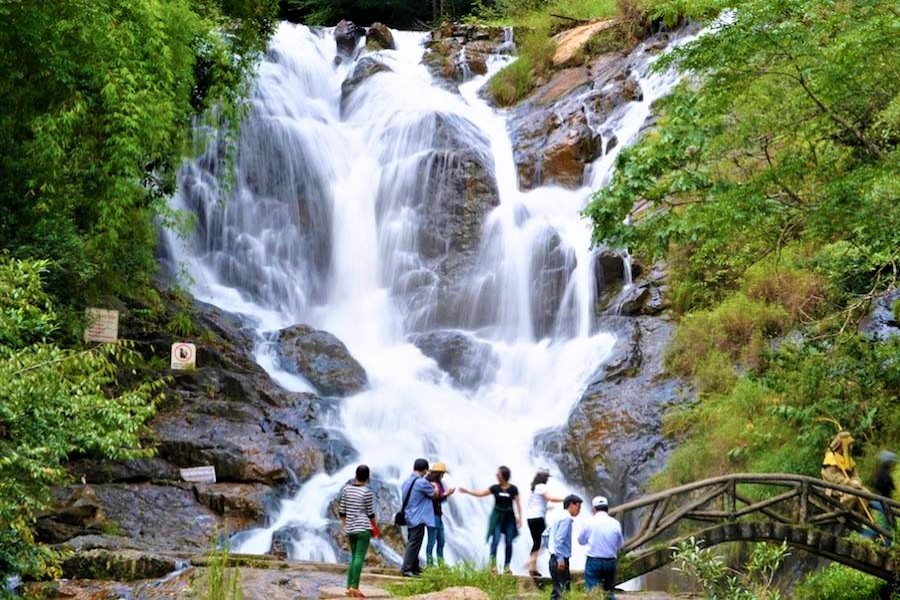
(468,361)
(379,37)
(612,441)
(453,192)
(364,69)
(323,360)
(347,35)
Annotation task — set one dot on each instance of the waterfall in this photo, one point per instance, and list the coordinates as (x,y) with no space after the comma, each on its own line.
(331,222)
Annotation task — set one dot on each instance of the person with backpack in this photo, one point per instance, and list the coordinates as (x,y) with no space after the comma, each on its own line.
(504,519)
(560,546)
(357,512)
(416,513)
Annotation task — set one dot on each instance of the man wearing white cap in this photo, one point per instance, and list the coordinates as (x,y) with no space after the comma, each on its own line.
(602,535)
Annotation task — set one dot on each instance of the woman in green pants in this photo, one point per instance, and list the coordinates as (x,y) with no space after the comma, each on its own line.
(357,511)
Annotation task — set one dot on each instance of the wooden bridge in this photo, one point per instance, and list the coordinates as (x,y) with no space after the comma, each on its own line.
(803,511)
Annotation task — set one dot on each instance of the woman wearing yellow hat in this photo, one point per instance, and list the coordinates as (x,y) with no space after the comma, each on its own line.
(436,533)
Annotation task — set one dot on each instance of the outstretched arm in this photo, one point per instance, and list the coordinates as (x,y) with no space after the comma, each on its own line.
(476,493)
(550,498)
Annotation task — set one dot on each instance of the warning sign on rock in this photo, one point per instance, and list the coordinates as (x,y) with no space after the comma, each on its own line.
(199,474)
(102,325)
(184,356)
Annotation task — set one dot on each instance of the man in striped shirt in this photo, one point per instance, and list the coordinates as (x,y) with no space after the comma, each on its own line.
(357,512)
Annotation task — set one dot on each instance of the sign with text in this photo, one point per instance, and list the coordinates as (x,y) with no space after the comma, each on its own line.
(199,474)
(102,325)
(184,356)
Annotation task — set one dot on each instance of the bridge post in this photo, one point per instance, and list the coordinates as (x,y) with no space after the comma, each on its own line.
(731,498)
(804,502)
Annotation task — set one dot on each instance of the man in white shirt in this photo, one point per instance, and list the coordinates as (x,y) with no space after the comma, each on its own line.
(602,535)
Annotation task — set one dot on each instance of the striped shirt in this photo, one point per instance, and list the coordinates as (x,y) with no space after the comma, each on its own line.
(357,507)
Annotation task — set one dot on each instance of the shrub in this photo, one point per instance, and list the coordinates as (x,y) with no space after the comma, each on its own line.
(512,83)
(837,582)
(54,403)
(737,328)
(516,80)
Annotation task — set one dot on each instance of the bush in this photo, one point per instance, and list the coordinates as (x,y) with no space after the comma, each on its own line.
(837,582)
(439,578)
(512,83)
(737,329)
(54,403)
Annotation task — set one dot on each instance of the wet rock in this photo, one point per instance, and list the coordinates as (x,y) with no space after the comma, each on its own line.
(121,565)
(379,37)
(77,511)
(468,361)
(563,126)
(562,84)
(323,360)
(551,268)
(138,470)
(247,500)
(556,132)
(346,36)
(365,68)
(457,52)
(612,442)
(882,322)
(240,441)
(454,191)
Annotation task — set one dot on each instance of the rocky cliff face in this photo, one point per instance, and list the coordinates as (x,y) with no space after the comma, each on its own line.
(228,413)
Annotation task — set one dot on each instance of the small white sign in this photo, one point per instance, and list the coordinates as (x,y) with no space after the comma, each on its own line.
(199,474)
(184,356)
(102,325)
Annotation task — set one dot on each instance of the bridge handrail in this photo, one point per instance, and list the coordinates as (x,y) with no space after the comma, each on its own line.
(762,478)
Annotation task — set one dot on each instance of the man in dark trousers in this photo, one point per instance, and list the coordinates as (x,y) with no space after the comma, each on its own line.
(602,535)
(419,515)
(561,547)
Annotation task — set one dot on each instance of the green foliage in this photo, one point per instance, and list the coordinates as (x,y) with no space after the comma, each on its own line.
(54,403)
(736,329)
(434,579)
(721,582)
(518,79)
(837,582)
(98,100)
(789,137)
(775,420)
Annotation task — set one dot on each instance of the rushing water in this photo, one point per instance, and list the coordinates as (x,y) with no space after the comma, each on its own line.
(322,228)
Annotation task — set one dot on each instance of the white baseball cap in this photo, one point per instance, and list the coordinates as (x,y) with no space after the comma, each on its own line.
(599,502)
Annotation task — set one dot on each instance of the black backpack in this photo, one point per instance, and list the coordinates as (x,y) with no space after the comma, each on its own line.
(400,517)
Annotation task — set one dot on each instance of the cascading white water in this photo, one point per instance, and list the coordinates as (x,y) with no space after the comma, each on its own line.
(323,228)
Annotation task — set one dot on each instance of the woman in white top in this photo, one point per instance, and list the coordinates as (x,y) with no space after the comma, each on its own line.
(535,511)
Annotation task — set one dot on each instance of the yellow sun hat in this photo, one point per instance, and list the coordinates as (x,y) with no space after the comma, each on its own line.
(439,467)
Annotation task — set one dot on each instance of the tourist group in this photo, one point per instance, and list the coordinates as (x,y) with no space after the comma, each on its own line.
(423,494)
